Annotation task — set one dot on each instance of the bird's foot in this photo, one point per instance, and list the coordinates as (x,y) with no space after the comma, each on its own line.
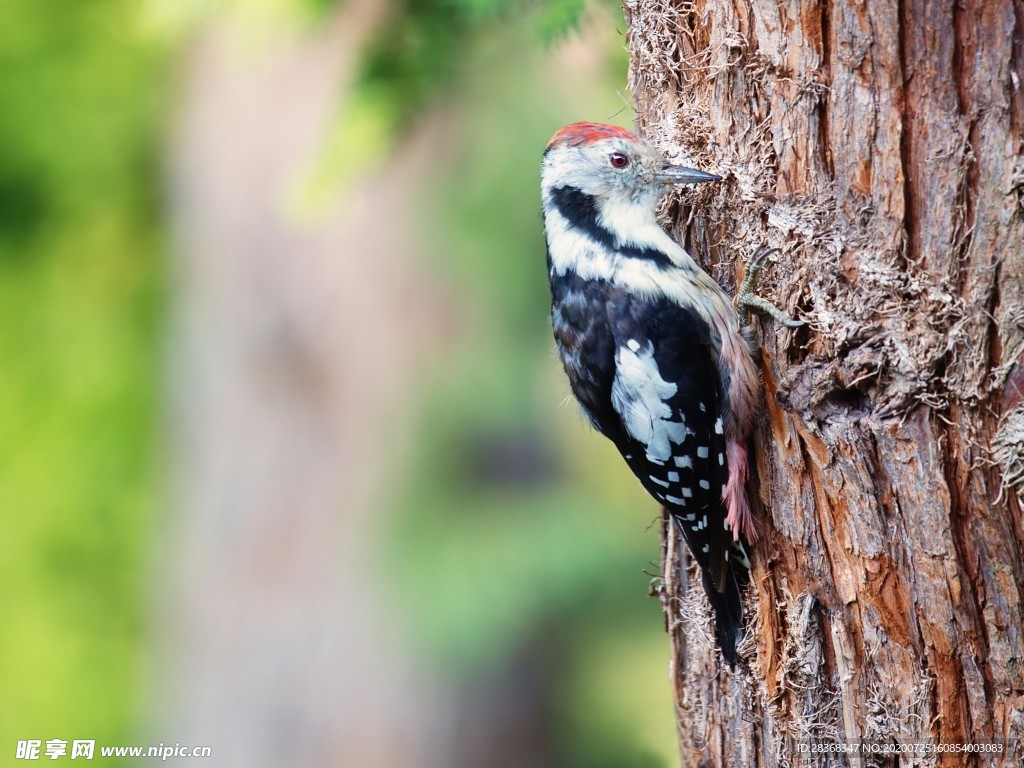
(747,299)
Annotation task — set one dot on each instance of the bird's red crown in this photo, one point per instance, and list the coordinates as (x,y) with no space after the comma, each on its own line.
(584,133)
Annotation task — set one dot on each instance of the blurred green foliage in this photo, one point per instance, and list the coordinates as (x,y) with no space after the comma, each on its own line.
(427,42)
(418,58)
(80,284)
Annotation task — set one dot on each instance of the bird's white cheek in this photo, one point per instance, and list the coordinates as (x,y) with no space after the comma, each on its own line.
(566,167)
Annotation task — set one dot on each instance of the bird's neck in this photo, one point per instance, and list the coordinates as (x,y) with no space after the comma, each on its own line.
(596,237)
(634,224)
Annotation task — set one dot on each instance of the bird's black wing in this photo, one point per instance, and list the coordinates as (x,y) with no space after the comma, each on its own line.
(668,398)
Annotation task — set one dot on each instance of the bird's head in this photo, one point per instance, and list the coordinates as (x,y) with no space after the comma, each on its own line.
(611,164)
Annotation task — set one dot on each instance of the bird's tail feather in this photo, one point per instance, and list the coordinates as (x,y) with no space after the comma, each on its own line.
(728,608)
(726,605)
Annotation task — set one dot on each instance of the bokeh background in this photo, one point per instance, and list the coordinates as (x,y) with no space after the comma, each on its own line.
(287,466)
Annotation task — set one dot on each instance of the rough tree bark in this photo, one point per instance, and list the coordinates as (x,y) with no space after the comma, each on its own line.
(879,144)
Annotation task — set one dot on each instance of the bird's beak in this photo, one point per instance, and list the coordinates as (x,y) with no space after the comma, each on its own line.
(680,174)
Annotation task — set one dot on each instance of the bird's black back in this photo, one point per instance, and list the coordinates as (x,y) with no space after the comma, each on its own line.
(628,356)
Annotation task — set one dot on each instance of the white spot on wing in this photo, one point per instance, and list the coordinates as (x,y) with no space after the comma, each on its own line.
(702,452)
(634,345)
(639,396)
(705,485)
(673,477)
(676,500)
(683,461)
(742,558)
(660,482)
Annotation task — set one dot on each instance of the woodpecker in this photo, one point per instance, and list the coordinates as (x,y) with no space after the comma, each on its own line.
(653,348)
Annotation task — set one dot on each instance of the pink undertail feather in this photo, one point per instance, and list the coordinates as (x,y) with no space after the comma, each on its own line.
(739,517)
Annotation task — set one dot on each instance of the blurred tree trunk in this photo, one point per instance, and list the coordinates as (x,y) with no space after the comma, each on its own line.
(291,367)
(878,143)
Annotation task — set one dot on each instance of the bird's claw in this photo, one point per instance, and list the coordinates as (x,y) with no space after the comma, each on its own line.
(747,299)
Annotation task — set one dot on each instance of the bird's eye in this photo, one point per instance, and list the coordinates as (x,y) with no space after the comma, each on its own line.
(618,160)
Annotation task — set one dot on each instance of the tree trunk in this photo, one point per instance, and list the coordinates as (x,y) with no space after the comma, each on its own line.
(878,143)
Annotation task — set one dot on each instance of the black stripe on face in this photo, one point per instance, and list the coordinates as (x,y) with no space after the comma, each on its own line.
(580,210)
